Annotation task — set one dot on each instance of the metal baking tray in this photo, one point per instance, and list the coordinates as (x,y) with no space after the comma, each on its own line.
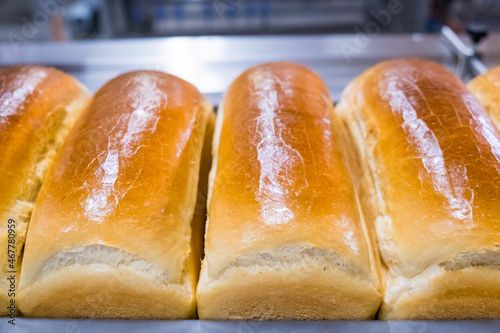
(211,63)
(24,325)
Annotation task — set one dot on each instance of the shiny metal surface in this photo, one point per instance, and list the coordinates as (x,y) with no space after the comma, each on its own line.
(211,63)
(455,43)
(469,63)
(25,325)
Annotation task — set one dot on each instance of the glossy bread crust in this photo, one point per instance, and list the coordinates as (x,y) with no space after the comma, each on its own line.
(427,170)
(38,106)
(111,235)
(284,236)
(486,88)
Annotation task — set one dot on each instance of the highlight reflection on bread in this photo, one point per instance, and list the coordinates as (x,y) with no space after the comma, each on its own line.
(426,160)
(284,236)
(38,107)
(112,235)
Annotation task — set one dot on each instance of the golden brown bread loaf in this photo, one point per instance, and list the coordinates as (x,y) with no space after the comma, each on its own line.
(111,234)
(486,88)
(427,170)
(284,236)
(38,106)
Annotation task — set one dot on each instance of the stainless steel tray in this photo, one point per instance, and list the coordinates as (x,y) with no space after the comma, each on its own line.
(211,63)
(131,326)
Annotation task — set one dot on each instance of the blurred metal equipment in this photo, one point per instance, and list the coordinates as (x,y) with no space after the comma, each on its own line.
(104,19)
(82,19)
(469,62)
(236,17)
(212,62)
(459,14)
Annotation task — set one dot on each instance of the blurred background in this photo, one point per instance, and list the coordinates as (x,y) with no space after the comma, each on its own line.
(58,20)
(210,42)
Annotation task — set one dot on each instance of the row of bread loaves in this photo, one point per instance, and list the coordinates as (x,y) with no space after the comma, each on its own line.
(386,205)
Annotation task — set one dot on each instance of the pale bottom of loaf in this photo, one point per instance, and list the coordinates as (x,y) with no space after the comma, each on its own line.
(102,291)
(266,293)
(437,293)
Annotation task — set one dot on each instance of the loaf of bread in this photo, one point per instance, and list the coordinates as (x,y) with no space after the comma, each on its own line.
(486,89)
(38,106)
(284,236)
(112,235)
(426,164)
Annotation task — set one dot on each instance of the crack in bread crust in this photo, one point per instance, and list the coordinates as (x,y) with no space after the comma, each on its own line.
(98,254)
(482,258)
(292,256)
